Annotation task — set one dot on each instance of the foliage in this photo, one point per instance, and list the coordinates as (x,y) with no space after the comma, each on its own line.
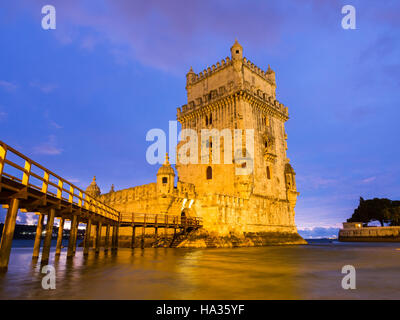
(377,209)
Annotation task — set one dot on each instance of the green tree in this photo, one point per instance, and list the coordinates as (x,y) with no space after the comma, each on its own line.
(382,210)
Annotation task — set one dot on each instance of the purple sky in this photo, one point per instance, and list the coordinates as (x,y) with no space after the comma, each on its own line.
(80,99)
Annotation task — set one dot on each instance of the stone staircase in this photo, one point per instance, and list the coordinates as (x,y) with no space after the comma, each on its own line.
(180,237)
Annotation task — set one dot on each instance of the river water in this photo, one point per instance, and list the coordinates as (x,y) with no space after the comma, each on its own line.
(282,272)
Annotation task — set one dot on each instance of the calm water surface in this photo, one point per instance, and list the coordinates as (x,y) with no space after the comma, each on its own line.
(290,272)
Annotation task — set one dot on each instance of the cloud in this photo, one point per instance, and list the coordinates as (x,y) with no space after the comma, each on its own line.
(368,180)
(165,34)
(319,232)
(8,86)
(45,88)
(51,122)
(28,218)
(316,182)
(48,148)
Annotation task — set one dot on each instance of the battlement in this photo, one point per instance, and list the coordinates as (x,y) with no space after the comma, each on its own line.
(227,76)
(147,191)
(193,78)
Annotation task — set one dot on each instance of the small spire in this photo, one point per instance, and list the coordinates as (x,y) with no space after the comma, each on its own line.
(191,70)
(112,188)
(236,44)
(94,179)
(166,158)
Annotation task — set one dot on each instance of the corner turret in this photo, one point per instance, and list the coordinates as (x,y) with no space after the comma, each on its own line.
(237,51)
(165,177)
(270,74)
(93,189)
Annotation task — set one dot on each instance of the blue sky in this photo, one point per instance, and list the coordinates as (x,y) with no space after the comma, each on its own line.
(80,99)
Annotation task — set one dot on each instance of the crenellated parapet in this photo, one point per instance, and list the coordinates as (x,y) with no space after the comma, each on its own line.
(146,191)
(193,78)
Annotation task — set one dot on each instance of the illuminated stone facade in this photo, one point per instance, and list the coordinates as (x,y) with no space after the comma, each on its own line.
(252,209)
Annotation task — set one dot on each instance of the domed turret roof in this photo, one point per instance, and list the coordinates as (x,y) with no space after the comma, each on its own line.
(166,168)
(93,189)
(236,45)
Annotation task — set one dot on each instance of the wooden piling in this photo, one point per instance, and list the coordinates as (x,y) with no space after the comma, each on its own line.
(107,240)
(133,236)
(114,237)
(98,236)
(49,234)
(87,237)
(60,236)
(72,236)
(8,234)
(38,236)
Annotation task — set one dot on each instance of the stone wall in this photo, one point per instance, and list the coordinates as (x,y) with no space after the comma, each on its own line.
(370,234)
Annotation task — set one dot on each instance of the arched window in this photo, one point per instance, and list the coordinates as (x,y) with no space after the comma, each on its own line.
(210,121)
(206,121)
(164,180)
(268,173)
(209,173)
(266,144)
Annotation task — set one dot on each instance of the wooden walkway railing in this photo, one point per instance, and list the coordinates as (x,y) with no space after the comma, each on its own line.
(27,185)
(159,220)
(36,177)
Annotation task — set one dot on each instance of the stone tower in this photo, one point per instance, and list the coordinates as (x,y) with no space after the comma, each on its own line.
(233,95)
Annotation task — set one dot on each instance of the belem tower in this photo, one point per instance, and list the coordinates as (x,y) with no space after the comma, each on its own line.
(252,209)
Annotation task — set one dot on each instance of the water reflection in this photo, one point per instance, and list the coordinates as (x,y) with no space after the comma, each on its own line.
(298,272)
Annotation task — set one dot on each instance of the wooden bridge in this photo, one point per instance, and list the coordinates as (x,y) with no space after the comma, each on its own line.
(27,186)
(181,225)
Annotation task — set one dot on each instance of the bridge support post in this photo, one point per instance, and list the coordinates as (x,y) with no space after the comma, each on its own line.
(38,236)
(48,236)
(143,234)
(60,236)
(165,234)
(156,230)
(87,237)
(115,237)
(107,240)
(98,236)
(8,234)
(76,236)
(133,236)
(72,236)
